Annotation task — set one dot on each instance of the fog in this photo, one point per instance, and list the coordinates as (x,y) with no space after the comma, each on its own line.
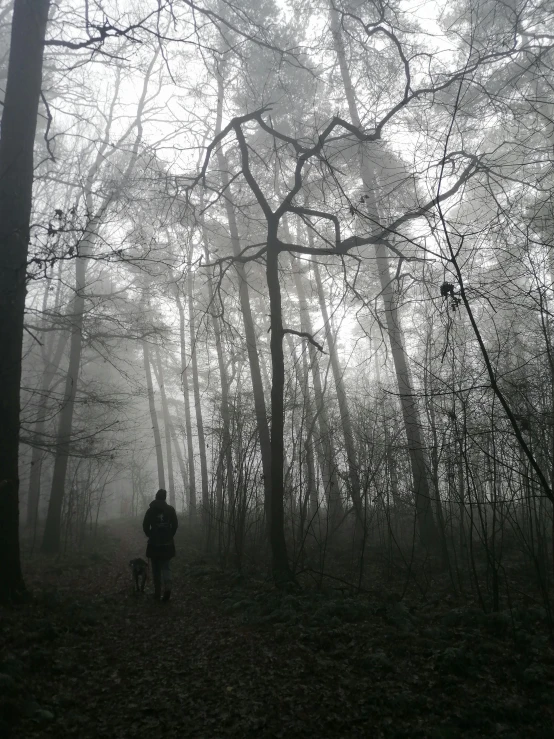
(290,262)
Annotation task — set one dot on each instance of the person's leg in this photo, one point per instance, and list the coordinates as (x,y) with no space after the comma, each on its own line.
(157,577)
(166,573)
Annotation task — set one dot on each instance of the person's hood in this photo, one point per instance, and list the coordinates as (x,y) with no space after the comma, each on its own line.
(159,505)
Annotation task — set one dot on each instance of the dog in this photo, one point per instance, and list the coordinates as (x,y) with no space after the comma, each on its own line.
(139,569)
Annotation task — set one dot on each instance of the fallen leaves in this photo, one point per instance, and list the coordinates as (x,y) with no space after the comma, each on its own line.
(228,658)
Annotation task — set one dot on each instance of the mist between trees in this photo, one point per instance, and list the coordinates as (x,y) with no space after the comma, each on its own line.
(292,262)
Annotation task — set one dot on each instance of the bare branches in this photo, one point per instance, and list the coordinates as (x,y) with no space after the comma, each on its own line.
(305,154)
(511,416)
(49,119)
(255,38)
(319,214)
(238,121)
(105,31)
(248,176)
(242,257)
(304,335)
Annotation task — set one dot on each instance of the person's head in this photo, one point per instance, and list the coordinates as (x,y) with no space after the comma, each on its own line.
(161,494)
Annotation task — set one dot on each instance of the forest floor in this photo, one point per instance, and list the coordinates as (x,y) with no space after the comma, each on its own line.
(232,658)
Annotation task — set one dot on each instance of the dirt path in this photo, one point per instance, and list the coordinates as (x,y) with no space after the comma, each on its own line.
(90,659)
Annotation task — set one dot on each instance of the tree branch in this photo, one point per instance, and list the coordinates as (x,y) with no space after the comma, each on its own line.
(304,335)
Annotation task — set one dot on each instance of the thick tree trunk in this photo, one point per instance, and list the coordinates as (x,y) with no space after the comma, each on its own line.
(17,137)
(410,412)
(197,403)
(186,397)
(159,372)
(153,415)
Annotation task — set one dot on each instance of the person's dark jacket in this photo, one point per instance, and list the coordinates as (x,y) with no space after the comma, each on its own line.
(160,524)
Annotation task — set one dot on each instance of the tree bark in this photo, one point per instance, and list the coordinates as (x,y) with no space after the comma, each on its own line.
(17,137)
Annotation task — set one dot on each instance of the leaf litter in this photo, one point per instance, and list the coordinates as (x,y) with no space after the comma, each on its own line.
(229,657)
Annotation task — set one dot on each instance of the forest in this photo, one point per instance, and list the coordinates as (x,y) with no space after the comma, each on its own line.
(292,262)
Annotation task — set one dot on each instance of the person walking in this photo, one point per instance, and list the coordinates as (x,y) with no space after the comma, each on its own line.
(160,524)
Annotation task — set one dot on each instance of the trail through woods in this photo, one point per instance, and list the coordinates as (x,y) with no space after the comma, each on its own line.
(233,658)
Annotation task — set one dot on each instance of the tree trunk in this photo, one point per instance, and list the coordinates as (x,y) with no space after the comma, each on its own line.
(186,396)
(153,415)
(52,351)
(17,137)
(224,380)
(434,450)
(410,411)
(52,531)
(279,558)
(158,371)
(327,449)
(48,375)
(308,499)
(178,452)
(197,403)
(249,330)
(311,483)
(344,410)
(253,359)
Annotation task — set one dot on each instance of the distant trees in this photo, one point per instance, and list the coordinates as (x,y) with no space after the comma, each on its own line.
(97,210)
